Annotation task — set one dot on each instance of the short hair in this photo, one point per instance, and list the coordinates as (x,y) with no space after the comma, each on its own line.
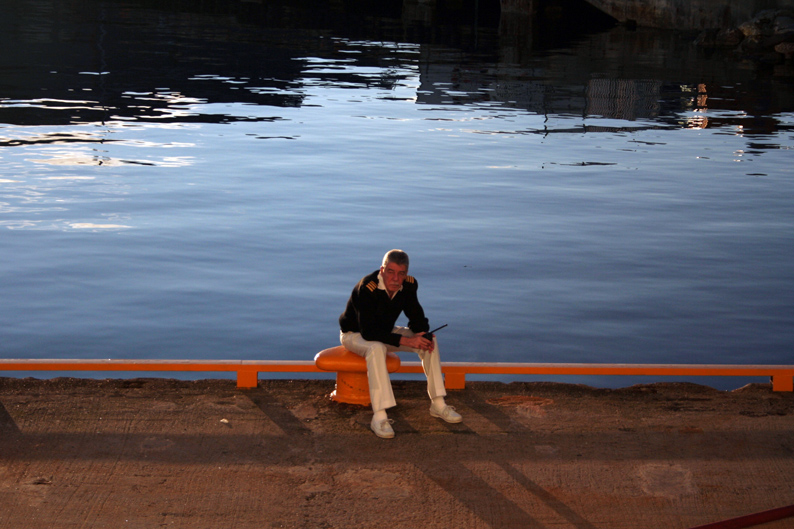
(397,257)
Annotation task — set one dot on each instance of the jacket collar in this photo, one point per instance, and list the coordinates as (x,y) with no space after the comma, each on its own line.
(382,286)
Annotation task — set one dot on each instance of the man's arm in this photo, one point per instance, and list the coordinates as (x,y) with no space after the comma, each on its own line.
(417,321)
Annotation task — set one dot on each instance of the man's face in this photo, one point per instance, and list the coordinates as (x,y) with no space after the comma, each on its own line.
(393,276)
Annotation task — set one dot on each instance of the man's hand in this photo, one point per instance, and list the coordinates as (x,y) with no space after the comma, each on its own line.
(418,342)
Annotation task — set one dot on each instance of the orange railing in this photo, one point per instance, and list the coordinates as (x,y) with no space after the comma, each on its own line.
(782,376)
(455,372)
(247,371)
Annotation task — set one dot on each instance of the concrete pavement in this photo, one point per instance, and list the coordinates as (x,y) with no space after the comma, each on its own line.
(167,453)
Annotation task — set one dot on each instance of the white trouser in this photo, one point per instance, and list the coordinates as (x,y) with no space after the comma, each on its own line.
(380,392)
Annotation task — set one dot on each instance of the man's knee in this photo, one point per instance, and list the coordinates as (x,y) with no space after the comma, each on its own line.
(376,349)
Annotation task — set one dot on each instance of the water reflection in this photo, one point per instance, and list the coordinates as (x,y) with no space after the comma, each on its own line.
(229,62)
(170,176)
(168,71)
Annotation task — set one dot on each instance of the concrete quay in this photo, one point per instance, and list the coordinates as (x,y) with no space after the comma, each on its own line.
(149,453)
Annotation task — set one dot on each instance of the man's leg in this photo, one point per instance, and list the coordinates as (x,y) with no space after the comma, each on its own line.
(380,392)
(431,364)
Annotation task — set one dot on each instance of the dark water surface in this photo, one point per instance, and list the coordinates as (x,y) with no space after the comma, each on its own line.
(209,180)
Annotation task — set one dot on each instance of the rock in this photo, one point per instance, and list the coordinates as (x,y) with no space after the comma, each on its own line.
(761,26)
(786,48)
(706,38)
(784,23)
(720,38)
(730,37)
(763,38)
(774,40)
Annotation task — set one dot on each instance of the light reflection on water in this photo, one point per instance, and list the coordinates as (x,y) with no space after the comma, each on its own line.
(216,190)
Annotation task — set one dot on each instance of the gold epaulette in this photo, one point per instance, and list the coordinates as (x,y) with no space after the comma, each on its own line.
(372,285)
(410,279)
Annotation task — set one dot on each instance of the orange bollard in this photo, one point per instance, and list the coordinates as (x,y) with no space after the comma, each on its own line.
(352,386)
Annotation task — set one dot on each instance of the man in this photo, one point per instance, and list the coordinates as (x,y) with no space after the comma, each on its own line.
(367,329)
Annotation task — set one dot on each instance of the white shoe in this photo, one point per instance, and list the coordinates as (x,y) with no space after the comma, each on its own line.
(448,414)
(382,428)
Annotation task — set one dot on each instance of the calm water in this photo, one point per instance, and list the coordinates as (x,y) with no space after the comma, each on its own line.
(211,184)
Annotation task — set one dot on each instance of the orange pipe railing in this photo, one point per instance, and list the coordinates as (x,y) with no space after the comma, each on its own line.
(247,370)
(454,372)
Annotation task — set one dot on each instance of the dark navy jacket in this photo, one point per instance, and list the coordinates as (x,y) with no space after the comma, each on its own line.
(370,311)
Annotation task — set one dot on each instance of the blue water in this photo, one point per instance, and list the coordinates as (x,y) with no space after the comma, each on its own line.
(212,184)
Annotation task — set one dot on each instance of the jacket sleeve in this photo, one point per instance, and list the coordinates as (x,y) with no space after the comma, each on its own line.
(417,321)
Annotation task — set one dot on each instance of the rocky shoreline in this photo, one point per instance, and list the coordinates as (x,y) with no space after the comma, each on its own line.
(767,37)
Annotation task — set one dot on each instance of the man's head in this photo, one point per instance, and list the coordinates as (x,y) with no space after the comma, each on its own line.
(394,270)
(397,257)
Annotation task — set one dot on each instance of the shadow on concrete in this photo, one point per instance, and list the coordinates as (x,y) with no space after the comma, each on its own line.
(7,424)
(277,412)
